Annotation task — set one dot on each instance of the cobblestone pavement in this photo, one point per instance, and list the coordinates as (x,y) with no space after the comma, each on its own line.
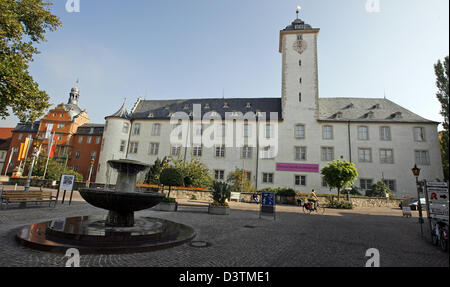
(241,239)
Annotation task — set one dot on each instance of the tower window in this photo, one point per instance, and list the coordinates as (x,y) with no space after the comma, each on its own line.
(300,80)
(299,97)
(300,63)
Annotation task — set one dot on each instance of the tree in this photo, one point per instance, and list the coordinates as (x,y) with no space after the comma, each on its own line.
(154,172)
(23,23)
(54,169)
(442,83)
(239,181)
(195,173)
(379,189)
(339,174)
(171,177)
(221,191)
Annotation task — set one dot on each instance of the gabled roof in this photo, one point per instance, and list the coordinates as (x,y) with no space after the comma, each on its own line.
(162,109)
(365,110)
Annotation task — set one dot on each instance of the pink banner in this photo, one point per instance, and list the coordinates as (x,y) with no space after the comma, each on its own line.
(298,167)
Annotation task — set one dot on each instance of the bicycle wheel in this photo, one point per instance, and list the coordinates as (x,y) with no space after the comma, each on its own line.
(306,210)
(434,238)
(320,210)
(443,243)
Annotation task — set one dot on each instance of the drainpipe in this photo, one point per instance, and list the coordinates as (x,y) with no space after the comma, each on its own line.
(349,142)
(257,151)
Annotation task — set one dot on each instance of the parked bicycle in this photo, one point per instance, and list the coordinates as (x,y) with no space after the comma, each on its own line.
(440,235)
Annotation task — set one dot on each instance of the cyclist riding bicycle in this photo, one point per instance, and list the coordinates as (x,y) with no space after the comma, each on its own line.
(313,199)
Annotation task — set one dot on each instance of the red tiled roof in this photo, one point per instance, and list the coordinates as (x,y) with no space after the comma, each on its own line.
(6,133)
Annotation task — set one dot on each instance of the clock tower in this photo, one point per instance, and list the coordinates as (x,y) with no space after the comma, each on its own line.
(300,89)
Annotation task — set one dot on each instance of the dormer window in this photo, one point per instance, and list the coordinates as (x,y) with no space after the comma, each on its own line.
(207,106)
(249,105)
(166,107)
(150,115)
(170,114)
(225,105)
(338,115)
(375,107)
(186,107)
(214,113)
(397,115)
(369,115)
(349,106)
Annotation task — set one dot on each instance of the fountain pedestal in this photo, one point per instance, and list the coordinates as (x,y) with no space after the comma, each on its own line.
(120,219)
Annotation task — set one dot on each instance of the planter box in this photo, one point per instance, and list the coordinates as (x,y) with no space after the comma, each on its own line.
(219,210)
(165,206)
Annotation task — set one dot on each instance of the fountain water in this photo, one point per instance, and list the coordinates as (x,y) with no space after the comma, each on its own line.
(120,231)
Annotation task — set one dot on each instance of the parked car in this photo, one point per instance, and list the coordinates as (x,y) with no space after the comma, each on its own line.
(413,203)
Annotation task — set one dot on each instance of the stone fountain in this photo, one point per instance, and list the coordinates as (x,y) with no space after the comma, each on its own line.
(117,233)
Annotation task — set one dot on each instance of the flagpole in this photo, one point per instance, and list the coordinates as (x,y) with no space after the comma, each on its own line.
(9,161)
(48,154)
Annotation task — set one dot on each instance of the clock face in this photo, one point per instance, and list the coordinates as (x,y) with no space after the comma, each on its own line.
(300,45)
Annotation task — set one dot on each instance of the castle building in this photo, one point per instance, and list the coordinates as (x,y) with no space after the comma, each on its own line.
(383,139)
(69,124)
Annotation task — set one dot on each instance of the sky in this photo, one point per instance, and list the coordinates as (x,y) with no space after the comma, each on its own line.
(178,49)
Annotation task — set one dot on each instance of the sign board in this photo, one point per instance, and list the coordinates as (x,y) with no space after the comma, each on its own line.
(267,203)
(438,200)
(406,211)
(314,168)
(67,182)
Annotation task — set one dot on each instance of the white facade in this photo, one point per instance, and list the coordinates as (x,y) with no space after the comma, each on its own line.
(382,147)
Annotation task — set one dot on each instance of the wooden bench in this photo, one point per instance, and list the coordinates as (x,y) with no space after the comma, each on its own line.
(235,196)
(8,197)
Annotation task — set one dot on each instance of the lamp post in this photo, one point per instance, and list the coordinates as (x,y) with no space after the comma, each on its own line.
(416,172)
(90,172)
(36,147)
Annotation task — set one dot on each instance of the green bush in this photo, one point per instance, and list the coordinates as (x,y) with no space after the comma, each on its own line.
(280,191)
(379,189)
(336,204)
(171,177)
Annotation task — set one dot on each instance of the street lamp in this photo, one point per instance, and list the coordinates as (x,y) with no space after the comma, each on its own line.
(36,148)
(91,163)
(416,172)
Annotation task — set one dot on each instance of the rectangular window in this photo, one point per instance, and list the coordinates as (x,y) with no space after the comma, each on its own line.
(327,153)
(125,128)
(300,131)
(80,139)
(133,147)
(419,134)
(199,130)
(75,168)
(300,153)
(386,156)
(89,140)
(365,155)
(247,131)
(300,180)
(175,150)
(77,154)
(268,131)
(422,157)
(324,183)
(365,184)
(267,177)
(20,136)
(385,133)
(97,140)
(219,174)
(61,126)
(363,133)
(122,146)
(246,152)
(154,148)
(327,132)
(390,183)
(197,150)
(93,155)
(220,151)
(156,131)
(59,137)
(267,152)
(137,129)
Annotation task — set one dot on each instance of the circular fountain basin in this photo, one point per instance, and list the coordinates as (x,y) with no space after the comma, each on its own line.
(123,202)
(91,235)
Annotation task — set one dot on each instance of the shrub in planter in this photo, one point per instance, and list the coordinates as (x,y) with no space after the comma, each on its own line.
(337,204)
(221,191)
(169,200)
(171,177)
